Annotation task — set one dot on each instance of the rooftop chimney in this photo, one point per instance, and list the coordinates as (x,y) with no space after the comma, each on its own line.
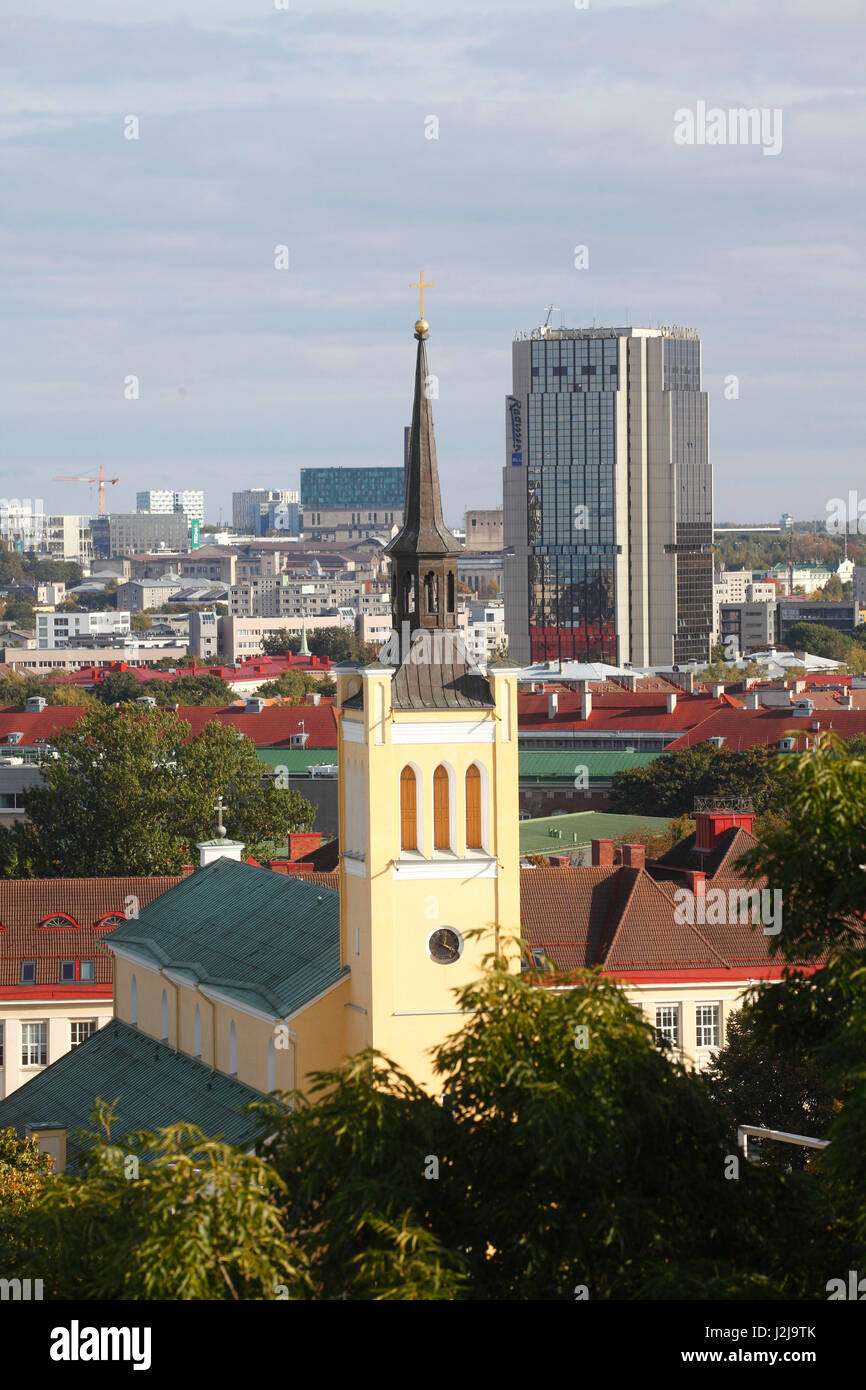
(717,690)
(634,856)
(585,702)
(602,852)
(697,882)
(670,702)
(710,825)
(552,704)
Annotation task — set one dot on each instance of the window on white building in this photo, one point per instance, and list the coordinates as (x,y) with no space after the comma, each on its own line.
(707,1025)
(34,1044)
(80,1029)
(668,1023)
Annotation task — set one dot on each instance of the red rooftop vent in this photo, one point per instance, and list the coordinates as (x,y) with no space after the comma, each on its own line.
(715,815)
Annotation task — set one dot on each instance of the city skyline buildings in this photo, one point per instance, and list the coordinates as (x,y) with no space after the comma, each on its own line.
(249,371)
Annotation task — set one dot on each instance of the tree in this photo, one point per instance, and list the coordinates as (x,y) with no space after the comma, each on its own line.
(616,1150)
(658,842)
(816,863)
(131,793)
(20,610)
(670,784)
(193,690)
(117,686)
(24,1173)
(818,639)
(165,1215)
(754,1084)
(42,569)
(337,643)
(140,621)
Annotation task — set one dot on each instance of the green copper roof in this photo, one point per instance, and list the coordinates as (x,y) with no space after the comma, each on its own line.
(562,767)
(155,1086)
(270,941)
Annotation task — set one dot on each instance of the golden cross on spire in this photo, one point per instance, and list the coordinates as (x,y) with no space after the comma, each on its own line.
(422,285)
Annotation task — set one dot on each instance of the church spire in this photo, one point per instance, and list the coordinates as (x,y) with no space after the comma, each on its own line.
(424,552)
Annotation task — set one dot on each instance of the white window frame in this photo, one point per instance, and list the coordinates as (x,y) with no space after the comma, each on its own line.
(676,1010)
(700,1027)
(92,1023)
(27,1047)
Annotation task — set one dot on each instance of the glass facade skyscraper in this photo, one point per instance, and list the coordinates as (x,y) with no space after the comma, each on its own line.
(334,489)
(607,495)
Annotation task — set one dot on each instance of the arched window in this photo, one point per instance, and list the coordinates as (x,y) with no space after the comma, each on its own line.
(473,808)
(164,1033)
(408,809)
(441,810)
(233,1050)
(408,594)
(196,1047)
(451,591)
(133,1002)
(272,1065)
(431,593)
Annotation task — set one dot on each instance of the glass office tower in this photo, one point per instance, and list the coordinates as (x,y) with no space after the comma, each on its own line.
(607,496)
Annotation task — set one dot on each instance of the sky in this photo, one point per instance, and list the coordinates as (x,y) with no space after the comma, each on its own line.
(308,128)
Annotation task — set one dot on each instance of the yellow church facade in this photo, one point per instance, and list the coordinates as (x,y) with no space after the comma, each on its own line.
(429,857)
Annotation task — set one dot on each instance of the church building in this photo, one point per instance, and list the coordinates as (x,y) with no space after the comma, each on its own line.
(239,980)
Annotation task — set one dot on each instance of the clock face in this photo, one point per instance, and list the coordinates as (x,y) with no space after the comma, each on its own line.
(445,945)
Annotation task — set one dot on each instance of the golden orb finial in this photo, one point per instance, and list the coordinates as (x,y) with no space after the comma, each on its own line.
(422,326)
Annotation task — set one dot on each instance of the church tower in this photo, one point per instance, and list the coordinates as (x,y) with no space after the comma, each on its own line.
(428,793)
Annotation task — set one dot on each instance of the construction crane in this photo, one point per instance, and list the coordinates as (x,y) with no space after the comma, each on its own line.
(101,479)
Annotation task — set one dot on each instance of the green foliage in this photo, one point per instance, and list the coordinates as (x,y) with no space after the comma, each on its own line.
(658,842)
(119,687)
(132,793)
(669,785)
(295,686)
(818,639)
(816,859)
(337,643)
(16,689)
(140,621)
(196,1219)
(756,1084)
(23,1175)
(616,1152)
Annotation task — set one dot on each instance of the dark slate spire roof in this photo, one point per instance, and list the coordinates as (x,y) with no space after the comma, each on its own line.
(424,531)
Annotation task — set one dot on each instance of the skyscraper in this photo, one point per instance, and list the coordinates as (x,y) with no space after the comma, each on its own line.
(608,501)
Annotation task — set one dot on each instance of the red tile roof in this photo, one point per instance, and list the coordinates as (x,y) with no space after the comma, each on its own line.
(273,727)
(83,903)
(746,727)
(644,710)
(624,921)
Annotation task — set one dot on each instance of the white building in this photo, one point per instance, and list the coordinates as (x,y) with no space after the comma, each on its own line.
(53,629)
(737,586)
(190,502)
(485,630)
(22,523)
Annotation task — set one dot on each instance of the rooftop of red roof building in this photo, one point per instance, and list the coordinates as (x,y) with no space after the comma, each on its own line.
(625,710)
(743,728)
(274,726)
